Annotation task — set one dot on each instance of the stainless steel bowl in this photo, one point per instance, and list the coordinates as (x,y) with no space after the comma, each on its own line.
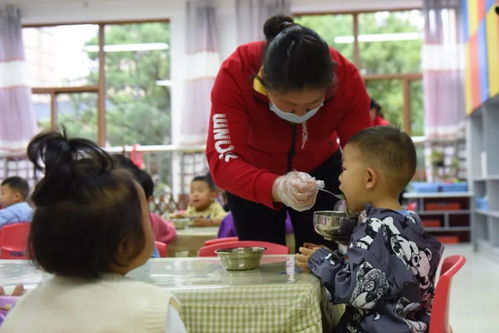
(327,223)
(180,223)
(240,258)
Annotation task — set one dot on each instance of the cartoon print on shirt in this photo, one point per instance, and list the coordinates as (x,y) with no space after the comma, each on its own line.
(403,307)
(418,261)
(370,287)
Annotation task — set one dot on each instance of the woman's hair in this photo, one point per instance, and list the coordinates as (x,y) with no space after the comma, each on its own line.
(85,208)
(295,57)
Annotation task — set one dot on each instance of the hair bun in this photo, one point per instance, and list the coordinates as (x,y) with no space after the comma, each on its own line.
(275,24)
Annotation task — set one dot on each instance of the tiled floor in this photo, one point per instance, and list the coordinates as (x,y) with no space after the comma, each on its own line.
(475,292)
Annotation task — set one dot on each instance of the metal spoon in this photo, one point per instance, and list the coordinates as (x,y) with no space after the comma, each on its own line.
(337,196)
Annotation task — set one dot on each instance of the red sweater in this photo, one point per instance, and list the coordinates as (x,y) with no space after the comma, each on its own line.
(248,145)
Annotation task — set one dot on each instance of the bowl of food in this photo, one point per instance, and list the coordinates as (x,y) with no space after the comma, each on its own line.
(240,258)
(180,222)
(329,223)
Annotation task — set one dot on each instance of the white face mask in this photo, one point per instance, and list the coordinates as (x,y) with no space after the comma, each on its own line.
(293,118)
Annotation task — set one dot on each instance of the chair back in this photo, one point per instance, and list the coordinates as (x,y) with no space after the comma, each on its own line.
(220,240)
(13,240)
(162,249)
(439,321)
(271,248)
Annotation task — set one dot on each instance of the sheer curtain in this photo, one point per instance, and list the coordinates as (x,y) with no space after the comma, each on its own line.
(443,66)
(252,14)
(17,120)
(203,62)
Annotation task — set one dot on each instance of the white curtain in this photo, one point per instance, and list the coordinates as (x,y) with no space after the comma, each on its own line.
(443,70)
(17,120)
(202,63)
(252,14)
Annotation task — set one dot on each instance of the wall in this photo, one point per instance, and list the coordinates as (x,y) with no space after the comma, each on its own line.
(481,36)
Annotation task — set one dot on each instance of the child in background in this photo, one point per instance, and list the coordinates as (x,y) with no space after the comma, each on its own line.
(202,203)
(90,228)
(376,115)
(386,279)
(13,194)
(164,231)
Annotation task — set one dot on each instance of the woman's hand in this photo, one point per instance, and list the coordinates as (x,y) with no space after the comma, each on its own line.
(305,252)
(297,190)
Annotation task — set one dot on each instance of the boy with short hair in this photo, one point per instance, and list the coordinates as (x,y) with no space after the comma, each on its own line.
(13,194)
(202,203)
(386,279)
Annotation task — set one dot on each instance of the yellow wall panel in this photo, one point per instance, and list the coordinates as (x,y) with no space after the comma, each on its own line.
(492,26)
(472,17)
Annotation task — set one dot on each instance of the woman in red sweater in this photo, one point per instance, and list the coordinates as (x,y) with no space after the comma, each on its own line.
(281,108)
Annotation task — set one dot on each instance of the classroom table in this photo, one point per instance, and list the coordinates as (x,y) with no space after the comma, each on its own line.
(189,240)
(275,297)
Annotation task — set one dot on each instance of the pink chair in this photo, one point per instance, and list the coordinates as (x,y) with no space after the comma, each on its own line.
(13,240)
(439,321)
(272,248)
(162,249)
(220,240)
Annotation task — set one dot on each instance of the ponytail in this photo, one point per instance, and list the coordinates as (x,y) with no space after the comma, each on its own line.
(62,164)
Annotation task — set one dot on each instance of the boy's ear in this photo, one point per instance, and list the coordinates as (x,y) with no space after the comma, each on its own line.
(371,178)
(18,197)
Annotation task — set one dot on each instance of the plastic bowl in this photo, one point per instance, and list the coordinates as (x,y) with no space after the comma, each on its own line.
(327,223)
(240,258)
(181,223)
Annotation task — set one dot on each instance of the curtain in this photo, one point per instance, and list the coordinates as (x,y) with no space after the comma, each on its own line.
(202,63)
(17,120)
(443,70)
(252,14)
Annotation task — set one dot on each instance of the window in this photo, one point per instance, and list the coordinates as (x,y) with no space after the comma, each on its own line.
(386,47)
(108,82)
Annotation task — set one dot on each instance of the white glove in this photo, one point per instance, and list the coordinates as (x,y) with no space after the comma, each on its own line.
(295,189)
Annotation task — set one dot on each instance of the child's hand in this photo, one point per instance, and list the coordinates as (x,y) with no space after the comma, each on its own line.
(305,252)
(202,222)
(18,291)
(178,214)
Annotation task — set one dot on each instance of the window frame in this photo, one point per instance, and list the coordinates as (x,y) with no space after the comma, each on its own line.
(100,88)
(405,78)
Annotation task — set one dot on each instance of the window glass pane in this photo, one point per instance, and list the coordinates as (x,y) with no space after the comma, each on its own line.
(417,115)
(336,30)
(388,94)
(77,112)
(57,56)
(390,42)
(137,79)
(41,106)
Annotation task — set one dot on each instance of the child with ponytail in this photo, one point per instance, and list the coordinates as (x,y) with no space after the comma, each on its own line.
(90,228)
